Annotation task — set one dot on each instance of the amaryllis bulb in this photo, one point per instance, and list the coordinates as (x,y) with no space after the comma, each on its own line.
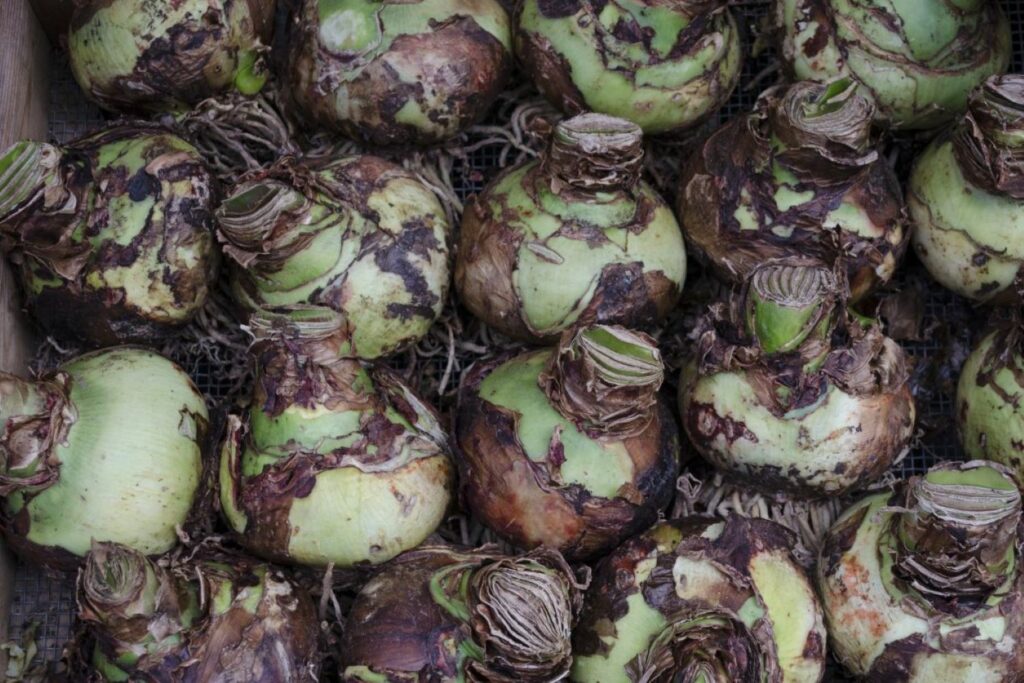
(665,66)
(110,234)
(581,216)
(568,448)
(698,600)
(358,235)
(334,461)
(800,176)
(988,415)
(209,618)
(142,57)
(966,197)
(106,449)
(415,72)
(924,583)
(918,61)
(790,392)
(440,614)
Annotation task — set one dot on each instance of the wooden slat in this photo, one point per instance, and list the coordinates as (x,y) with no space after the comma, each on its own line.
(54,16)
(24,67)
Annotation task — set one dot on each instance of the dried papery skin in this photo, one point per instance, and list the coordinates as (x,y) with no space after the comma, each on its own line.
(824,131)
(398,72)
(966,197)
(107,448)
(523,618)
(799,176)
(605,379)
(153,57)
(593,152)
(701,595)
(545,462)
(918,61)
(216,618)
(110,234)
(36,419)
(333,462)
(988,409)
(989,143)
(132,607)
(804,399)
(901,612)
(954,543)
(274,639)
(580,216)
(439,614)
(665,66)
(356,234)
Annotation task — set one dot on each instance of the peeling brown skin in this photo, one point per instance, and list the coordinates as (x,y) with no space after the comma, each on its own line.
(597,401)
(397,626)
(477,67)
(15,532)
(550,70)
(99,317)
(486,256)
(737,159)
(400,631)
(953,568)
(749,654)
(994,167)
(416,239)
(239,640)
(519,500)
(177,69)
(628,296)
(896,662)
(43,245)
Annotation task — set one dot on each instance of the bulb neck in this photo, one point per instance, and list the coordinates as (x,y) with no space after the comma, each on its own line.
(594,153)
(520,611)
(257,221)
(605,379)
(989,142)
(709,647)
(523,592)
(957,540)
(789,305)
(125,592)
(303,355)
(317,333)
(823,130)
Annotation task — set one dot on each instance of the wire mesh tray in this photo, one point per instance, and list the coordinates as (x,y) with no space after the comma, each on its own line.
(948,324)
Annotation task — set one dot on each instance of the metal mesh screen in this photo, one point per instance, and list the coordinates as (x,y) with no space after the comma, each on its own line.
(949,323)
